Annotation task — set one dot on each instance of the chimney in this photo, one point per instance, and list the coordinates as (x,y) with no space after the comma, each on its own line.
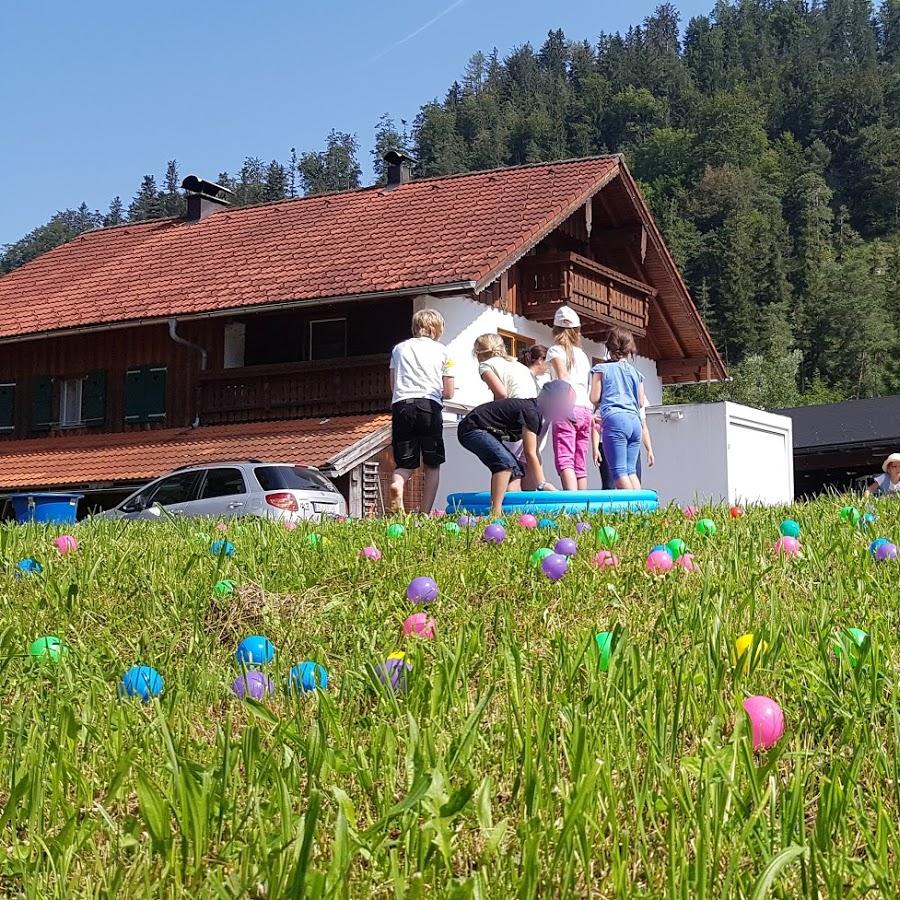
(399,168)
(203,197)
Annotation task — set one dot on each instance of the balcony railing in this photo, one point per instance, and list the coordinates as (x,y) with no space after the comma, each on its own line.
(336,387)
(601,294)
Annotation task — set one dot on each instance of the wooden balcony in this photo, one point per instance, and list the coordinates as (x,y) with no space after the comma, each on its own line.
(601,296)
(336,387)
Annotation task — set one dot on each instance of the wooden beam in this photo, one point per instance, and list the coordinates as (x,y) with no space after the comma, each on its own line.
(690,365)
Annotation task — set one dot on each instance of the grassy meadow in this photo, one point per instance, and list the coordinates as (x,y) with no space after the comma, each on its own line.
(512,765)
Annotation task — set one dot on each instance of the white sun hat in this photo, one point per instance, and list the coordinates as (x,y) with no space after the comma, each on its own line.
(893,458)
(566,317)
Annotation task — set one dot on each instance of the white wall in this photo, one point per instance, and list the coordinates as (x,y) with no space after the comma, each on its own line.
(465,320)
(720,452)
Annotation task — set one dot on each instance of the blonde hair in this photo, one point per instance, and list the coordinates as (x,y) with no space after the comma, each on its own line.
(568,339)
(488,346)
(428,323)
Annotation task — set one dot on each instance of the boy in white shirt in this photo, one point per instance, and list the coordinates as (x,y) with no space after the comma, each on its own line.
(421,380)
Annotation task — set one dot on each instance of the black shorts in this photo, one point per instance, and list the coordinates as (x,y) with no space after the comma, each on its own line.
(417,431)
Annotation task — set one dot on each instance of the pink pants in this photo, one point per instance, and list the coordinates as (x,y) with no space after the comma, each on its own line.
(572,443)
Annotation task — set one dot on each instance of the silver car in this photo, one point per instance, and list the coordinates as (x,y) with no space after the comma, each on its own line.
(226,490)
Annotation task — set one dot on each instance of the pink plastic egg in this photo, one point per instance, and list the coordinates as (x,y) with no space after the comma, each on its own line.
(787,546)
(371,552)
(65,543)
(691,512)
(419,625)
(659,561)
(527,520)
(606,559)
(687,562)
(766,720)
(289,525)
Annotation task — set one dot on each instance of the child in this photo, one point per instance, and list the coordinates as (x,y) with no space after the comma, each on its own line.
(568,362)
(507,379)
(484,430)
(618,387)
(534,358)
(889,483)
(420,382)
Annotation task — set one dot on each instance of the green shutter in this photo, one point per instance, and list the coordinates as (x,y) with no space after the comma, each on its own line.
(156,393)
(93,398)
(7,407)
(145,394)
(41,403)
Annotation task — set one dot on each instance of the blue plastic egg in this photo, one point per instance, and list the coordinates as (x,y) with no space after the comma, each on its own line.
(307,676)
(255,650)
(142,681)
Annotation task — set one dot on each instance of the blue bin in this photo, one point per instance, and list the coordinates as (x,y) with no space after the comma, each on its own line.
(51,509)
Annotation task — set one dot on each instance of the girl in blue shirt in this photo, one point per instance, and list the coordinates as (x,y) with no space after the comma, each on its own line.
(618,387)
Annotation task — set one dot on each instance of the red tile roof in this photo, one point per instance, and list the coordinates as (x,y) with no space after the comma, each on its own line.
(142,455)
(429,232)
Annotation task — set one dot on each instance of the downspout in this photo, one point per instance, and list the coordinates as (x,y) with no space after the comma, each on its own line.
(178,339)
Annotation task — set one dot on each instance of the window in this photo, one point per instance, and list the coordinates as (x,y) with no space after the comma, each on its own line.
(178,488)
(7,407)
(515,343)
(292,478)
(70,402)
(327,338)
(145,394)
(223,483)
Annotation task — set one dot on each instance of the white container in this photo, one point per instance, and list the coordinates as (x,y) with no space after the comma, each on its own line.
(720,453)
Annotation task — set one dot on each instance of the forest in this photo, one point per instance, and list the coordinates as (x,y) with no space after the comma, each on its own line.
(765,136)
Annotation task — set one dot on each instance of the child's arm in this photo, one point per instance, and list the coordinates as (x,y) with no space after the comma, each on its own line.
(596,388)
(498,389)
(533,465)
(645,429)
(449,387)
(595,443)
(873,488)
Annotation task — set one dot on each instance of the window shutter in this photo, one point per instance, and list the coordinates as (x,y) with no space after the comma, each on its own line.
(93,398)
(7,407)
(41,403)
(145,395)
(156,394)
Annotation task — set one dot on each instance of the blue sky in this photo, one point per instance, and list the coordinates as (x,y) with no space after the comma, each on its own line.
(99,93)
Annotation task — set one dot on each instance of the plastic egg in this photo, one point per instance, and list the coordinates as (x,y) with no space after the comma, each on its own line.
(787,546)
(606,559)
(766,721)
(253,685)
(142,681)
(494,534)
(65,544)
(419,625)
(607,536)
(554,566)
(306,677)
(371,553)
(422,590)
(255,650)
(790,528)
(659,561)
(566,547)
(527,520)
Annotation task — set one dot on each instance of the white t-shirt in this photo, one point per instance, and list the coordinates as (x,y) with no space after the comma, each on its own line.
(420,365)
(579,372)
(516,378)
(885,486)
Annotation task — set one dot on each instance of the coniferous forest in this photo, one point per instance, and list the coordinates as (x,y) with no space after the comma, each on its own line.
(765,135)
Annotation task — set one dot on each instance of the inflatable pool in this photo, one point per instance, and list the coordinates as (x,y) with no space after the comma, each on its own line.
(556,502)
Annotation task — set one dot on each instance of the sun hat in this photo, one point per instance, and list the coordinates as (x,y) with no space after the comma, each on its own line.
(893,458)
(566,317)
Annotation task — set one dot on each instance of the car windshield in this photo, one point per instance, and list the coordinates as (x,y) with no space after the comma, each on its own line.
(292,478)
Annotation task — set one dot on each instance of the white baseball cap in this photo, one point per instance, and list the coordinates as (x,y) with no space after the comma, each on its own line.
(893,458)
(566,317)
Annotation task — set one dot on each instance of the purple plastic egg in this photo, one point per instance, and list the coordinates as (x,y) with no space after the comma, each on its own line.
(494,534)
(660,561)
(465,521)
(582,527)
(253,684)
(392,672)
(566,546)
(422,590)
(555,566)
(886,552)
(766,720)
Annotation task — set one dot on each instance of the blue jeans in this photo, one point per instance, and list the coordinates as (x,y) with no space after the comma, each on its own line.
(491,451)
(621,443)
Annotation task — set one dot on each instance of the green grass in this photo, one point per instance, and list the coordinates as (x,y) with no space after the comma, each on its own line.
(512,767)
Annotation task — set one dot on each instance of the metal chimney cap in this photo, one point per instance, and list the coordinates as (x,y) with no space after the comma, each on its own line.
(200,186)
(397,157)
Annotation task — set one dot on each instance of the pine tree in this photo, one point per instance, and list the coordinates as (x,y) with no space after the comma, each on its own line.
(387,137)
(336,168)
(292,173)
(147,203)
(172,202)
(275,182)
(116,213)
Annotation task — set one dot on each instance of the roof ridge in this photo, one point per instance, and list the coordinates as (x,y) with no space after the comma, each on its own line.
(380,187)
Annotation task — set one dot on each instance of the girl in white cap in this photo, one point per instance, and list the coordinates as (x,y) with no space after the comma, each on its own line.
(571,437)
(889,483)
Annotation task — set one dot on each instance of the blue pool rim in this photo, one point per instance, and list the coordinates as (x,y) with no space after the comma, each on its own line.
(556,502)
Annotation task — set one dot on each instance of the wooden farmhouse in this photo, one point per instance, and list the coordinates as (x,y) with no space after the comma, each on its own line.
(264,331)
